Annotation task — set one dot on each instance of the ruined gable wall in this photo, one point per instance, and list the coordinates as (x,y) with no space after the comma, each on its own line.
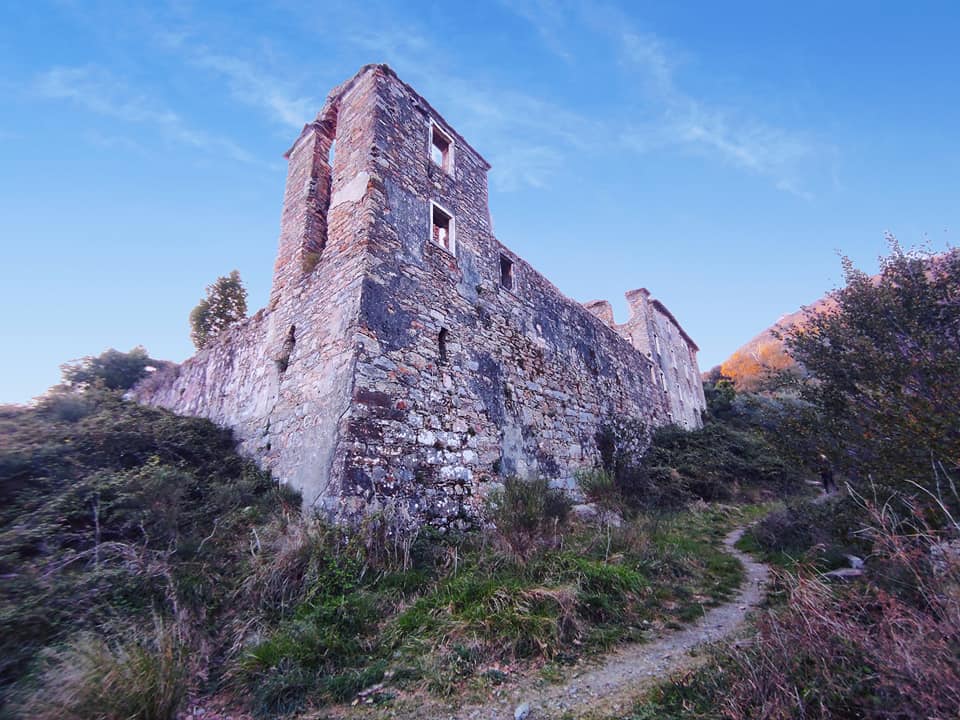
(527,376)
(655,333)
(282,379)
(684,390)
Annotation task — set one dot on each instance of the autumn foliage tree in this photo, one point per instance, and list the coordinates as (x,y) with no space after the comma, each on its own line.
(225,304)
(759,366)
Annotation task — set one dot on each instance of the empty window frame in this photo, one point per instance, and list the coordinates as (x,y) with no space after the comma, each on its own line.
(506,272)
(443,228)
(441,148)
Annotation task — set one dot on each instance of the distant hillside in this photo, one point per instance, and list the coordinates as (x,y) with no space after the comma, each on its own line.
(751,364)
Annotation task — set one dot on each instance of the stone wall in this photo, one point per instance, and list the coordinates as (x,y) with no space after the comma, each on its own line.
(282,380)
(391,371)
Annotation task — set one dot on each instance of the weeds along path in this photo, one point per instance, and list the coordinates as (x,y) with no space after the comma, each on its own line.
(609,686)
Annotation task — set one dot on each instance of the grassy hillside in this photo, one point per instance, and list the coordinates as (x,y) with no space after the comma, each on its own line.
(145,562)
(117,520)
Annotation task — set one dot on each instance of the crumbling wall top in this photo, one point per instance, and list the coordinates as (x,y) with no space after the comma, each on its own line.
(326,120)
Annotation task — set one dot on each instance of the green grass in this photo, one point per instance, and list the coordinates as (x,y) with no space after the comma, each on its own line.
(114,514)
(692,696)
(446,631)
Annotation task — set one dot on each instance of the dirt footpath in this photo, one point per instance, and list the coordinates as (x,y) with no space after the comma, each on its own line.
(608,686)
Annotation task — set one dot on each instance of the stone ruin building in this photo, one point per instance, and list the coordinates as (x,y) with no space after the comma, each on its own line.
(406,357)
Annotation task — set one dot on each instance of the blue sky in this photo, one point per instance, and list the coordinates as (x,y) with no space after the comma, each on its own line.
(720,154)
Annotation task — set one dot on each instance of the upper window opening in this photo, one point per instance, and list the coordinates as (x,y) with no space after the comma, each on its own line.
(506,272)
(442,228)
(441,148)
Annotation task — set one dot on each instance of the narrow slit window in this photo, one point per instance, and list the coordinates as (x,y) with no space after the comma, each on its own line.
(442,228)
(441,148)
(506,272)
(442,346)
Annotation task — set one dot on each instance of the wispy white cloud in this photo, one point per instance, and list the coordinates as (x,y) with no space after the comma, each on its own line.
(733,134)
(548,18)
(675,117)
(114,142)
(780,155)
(524,137)
(98,91)
(527,166)
(247,81)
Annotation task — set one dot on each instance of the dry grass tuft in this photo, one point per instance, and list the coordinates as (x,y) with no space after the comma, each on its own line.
(94,678)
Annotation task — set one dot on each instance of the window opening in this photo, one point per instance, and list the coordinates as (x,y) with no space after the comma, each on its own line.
(442,228)
(506,272)
(441,148)
(442,343)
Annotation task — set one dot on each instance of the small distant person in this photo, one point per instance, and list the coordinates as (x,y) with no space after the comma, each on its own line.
(826,475)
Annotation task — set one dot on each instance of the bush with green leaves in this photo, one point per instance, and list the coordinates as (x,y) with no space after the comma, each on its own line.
(885,366)
(112,369)
(671,466)
(833,528)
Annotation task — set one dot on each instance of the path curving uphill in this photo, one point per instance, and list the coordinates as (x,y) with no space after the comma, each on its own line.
(613,685)
(603,689)
(610,686)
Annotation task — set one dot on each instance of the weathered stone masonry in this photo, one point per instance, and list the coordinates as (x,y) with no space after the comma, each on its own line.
(406,357)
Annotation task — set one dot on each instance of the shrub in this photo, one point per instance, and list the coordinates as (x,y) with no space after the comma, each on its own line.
(834,525)
(885,356)
(527,514)
(600,487)
(670,466)
(621,442)
(112,369)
